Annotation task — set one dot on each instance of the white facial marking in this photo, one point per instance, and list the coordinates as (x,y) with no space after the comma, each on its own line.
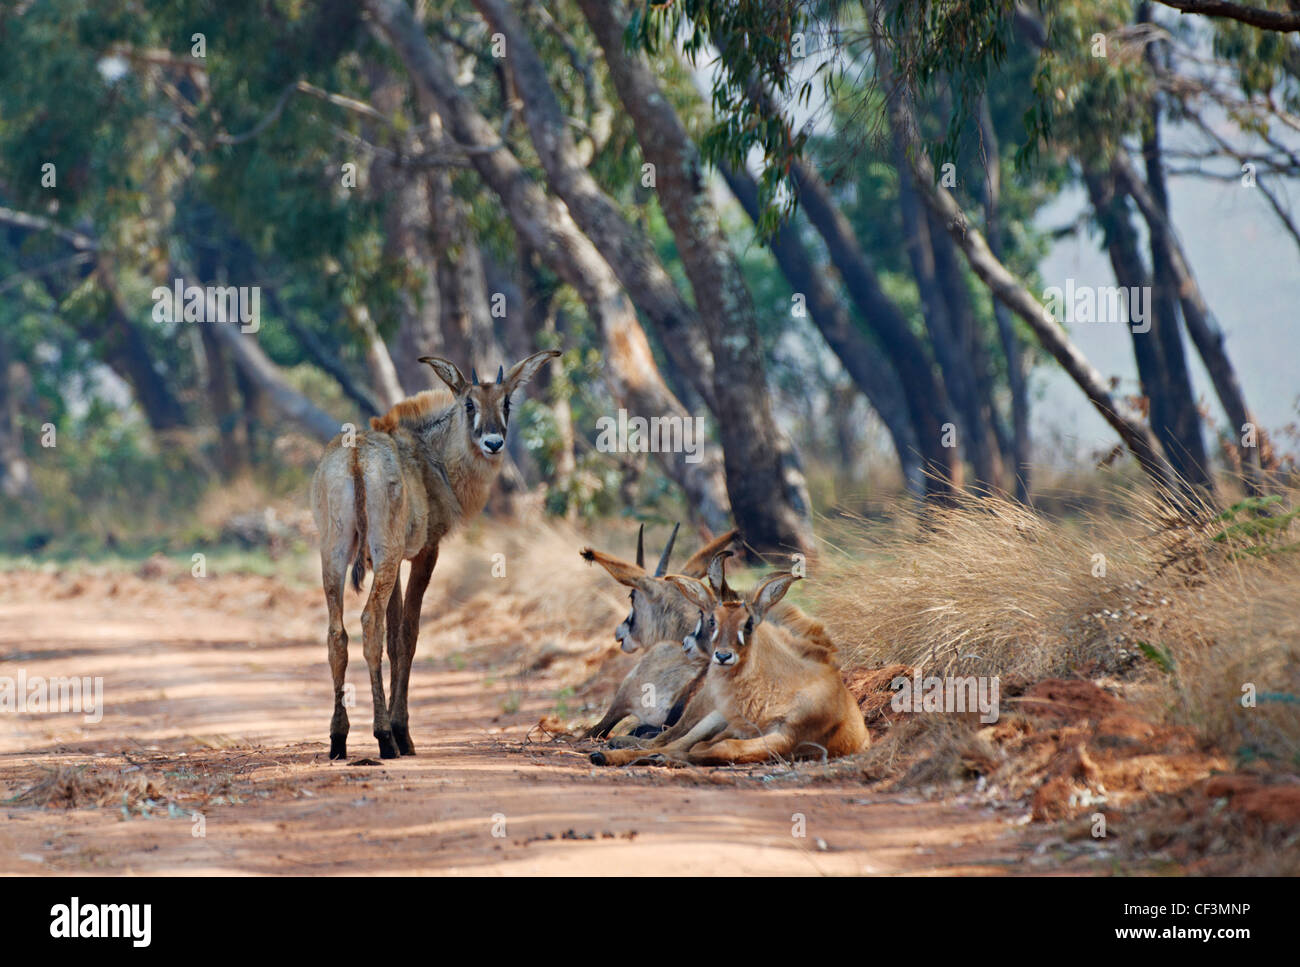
(714,636)
(740,634)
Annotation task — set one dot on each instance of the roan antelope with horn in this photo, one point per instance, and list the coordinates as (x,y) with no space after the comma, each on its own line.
(658,620)
(424,467)
(766,694)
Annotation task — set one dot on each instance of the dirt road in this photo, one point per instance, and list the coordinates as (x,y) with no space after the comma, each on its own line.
(210,758)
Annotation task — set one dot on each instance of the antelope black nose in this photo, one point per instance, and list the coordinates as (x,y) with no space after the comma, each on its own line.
(493,443)
(722,656)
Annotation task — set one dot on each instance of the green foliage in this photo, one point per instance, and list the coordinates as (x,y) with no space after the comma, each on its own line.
(1257,527)
(1162,659)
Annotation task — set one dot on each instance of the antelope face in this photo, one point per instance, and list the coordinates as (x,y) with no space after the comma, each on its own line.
(698,643)
(658,612)
(733,634)
(486,405)
(626,634)
(487,415)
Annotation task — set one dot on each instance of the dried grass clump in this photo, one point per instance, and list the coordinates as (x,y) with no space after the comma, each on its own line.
(1193,609)
(984,587)
(73,787)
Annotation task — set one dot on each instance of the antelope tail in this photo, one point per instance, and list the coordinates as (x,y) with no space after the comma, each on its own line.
(359,505)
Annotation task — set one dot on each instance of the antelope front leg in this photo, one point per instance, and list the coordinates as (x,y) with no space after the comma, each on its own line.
(708,727)
(416,584)
(372,631)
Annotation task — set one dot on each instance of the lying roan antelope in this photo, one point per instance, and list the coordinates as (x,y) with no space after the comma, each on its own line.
(424,467)
(659,619)
(762,696)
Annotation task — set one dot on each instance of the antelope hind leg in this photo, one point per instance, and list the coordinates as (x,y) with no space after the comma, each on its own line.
(416,584)
(337,643)
(727,751)
(373,634)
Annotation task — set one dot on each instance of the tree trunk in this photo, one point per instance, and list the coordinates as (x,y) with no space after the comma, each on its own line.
(926,401)
(1130,272)
(626,247)
(404,193)
(548,227)
(874,377)
(467,329)
(1135,434)
(953,357)
(15,472)
(966,330)
(1201,326)
(768,494)
(258,369)
(230,454)
(1011,349)
(125,350)
(1180,402)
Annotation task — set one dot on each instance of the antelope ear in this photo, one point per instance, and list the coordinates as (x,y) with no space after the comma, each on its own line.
(694,591)
(621,571)
(769,593)
(524,370)
(448,372)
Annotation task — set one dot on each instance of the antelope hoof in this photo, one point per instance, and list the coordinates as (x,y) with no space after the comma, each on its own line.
(646,731)
(402,736)
(338,747)
(598,758)
(387,747)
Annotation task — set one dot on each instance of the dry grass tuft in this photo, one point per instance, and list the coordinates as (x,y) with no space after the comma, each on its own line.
(988,587)
(74,787)
(1189,612)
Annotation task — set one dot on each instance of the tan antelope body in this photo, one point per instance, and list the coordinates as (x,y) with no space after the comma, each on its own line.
(423,468)
(767,693)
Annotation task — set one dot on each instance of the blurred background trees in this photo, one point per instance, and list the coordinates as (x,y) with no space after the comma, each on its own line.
(817,226)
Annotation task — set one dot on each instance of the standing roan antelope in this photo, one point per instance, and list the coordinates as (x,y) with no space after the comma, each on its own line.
(424,467)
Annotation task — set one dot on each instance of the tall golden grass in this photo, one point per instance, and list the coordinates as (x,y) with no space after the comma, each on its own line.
(1200,608)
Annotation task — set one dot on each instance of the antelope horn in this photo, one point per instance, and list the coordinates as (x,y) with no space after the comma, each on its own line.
(640,547)
(473,376)
(668,549)
(718,573)
(501,374)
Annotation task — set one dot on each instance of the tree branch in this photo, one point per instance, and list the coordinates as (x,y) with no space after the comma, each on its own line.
(1253,16)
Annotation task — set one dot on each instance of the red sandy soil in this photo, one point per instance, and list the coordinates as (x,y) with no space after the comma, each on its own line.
(217,702)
